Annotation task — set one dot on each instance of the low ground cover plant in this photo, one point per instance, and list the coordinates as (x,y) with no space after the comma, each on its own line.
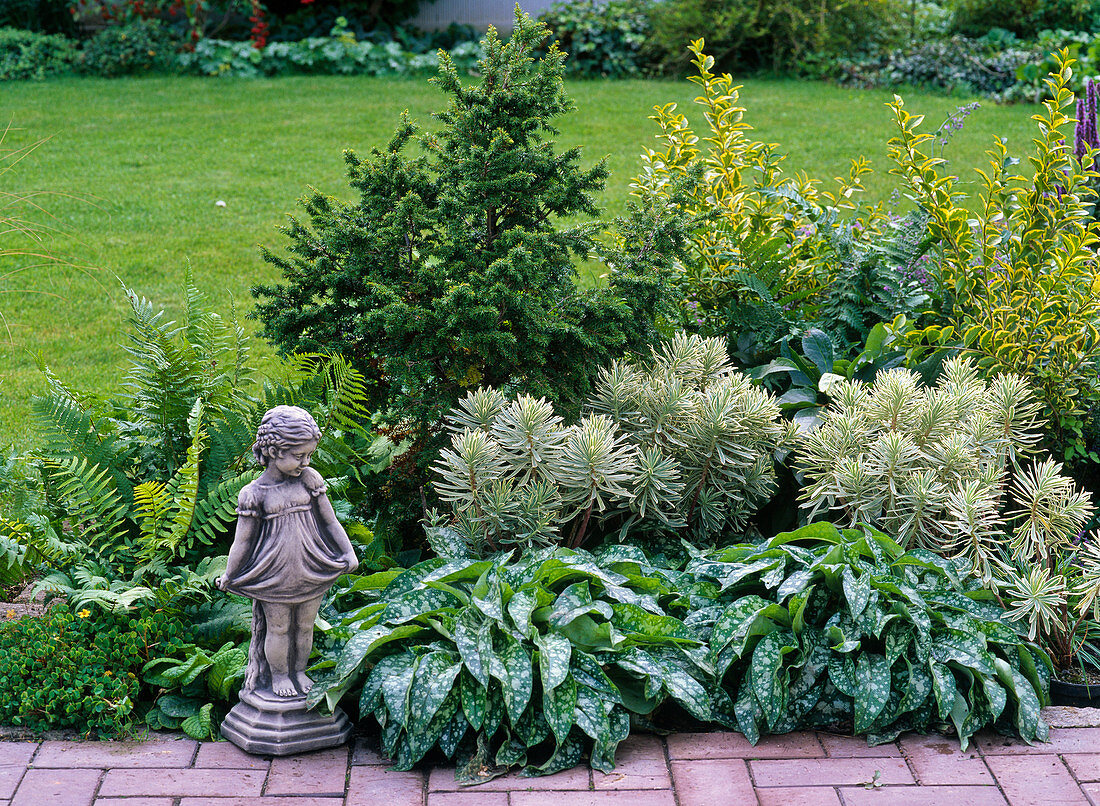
(537,658)
(78,670)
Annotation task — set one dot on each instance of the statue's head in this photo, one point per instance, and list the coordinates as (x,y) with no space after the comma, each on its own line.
(282,428)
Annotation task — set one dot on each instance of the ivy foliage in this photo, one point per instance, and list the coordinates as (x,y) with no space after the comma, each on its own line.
(539,658)
(453,269)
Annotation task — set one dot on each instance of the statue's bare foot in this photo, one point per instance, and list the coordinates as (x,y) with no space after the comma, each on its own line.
(304,683)
(283,686)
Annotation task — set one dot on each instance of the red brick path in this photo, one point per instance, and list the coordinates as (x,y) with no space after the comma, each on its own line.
(711,769)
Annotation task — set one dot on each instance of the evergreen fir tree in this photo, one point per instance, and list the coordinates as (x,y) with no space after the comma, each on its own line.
(452,270)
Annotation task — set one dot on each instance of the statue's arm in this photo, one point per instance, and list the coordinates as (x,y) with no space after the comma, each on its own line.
(327,518)
(248,526)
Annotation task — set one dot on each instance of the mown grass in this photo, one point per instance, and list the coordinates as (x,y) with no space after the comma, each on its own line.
(135,168)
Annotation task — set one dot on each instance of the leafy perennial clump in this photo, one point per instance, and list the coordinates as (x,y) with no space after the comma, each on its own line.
(539,659)
(681,442)
(939,467)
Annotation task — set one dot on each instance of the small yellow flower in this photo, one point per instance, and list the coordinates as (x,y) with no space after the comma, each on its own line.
(10,614)
(84,613)
(108,673)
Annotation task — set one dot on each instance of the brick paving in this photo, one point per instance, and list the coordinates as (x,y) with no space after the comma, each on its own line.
(700,769)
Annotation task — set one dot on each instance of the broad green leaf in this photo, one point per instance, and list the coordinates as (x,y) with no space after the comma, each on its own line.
(749,616)
(512,667)
(469,635)
(857,591)
(769,686)
(200,726)
(818,348)
(396,685)
(376,581)
(586,633)
(943,686)
(636,623)
(178,706)
(432,684)
(559,705)
(554,654)
(873,685)
(473,699)
(362,644)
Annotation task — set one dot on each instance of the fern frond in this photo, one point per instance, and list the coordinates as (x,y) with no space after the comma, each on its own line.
(152,507)
(218,508)
(93,504)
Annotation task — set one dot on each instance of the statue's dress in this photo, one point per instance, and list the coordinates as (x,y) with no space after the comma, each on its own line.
(292,561)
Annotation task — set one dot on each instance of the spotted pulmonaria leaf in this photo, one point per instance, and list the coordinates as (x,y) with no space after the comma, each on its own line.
(432,684)
(769,685)
(857,591)
(636,623)
(554,654)
(396,685)
(872,689)
(473,699)
(559,706)
(749,616)
(512,667)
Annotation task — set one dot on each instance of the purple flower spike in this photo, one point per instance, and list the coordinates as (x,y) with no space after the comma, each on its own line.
(1080,132)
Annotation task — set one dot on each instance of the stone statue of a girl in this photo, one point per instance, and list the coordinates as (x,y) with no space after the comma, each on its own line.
(288,550)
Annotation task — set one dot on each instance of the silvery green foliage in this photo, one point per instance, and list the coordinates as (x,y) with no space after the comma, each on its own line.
(682,441)
(689,406)
(940,468)
(928,465)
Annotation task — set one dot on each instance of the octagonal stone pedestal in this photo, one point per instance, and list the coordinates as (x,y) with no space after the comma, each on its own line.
(265,724)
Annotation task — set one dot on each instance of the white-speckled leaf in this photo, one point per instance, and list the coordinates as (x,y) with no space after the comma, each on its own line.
(559,705)
(554,654)
(512,666)
(857,591)
(473,699)
(396,685)
(872,689)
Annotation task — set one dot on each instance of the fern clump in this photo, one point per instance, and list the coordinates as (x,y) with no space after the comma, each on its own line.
(681,443)
(145,485)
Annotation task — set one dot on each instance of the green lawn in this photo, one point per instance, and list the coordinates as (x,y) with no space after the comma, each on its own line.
(137,166)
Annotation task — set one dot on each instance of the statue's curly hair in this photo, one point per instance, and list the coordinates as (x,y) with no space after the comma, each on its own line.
(281,428)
